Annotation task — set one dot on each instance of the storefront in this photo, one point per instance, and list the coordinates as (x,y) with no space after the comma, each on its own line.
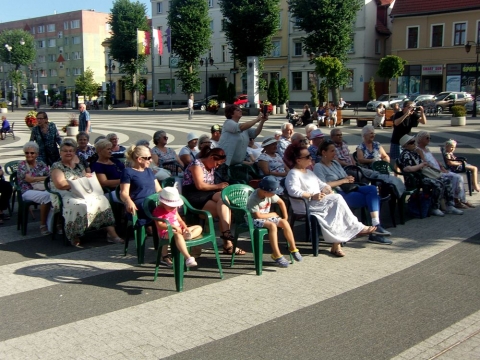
(421,79)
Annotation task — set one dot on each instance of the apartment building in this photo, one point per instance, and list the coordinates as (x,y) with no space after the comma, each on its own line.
(67,44)
(432,38)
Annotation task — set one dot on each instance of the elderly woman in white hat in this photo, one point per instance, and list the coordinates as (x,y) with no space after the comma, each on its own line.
(188,153)
(270,162)
(440,187)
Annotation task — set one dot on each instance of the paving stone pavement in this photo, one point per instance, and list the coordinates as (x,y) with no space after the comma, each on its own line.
(93,303)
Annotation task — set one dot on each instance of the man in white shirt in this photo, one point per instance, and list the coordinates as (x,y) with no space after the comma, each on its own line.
(342,103)
(190,107)
(287,131)
(216,131)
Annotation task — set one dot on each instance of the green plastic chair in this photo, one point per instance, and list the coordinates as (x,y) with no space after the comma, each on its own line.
(209,236)
(11,169)
(236,197)
(23,206)
(243,173)
(60,211)
(170,181)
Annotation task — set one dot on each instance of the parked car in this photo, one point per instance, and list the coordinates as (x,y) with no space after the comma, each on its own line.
(202,104)
(23,101)
(384,99)
(420,99)
(445,100)
(9,103)
(241,100)
(469,106)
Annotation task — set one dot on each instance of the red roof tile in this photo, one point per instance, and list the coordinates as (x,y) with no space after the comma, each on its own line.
(416,7)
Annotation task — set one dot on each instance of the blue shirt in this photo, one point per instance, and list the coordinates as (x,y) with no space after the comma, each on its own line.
(112,172)
(142,184)
(83,118)
(5,125)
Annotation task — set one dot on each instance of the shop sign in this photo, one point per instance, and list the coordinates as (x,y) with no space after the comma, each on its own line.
(432,69)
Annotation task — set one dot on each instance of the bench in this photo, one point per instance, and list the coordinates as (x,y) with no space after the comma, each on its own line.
(361,122)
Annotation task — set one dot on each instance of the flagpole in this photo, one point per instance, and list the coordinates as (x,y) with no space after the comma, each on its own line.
(136,71)
(152,54)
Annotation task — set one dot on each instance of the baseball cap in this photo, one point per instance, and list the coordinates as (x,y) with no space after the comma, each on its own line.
(216,127)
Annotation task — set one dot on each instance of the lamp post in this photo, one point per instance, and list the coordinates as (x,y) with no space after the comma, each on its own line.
(9,49)
(468,47)
(207,61)
(109,69)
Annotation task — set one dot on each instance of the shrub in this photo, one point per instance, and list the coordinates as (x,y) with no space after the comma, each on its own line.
(459,110)
(313,94)
(3,105)
(230,94)
(222,91)
(371,89)
(283,94)
(272,92)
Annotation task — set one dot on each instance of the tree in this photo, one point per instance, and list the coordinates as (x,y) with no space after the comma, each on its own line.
(323,93)
(190,33)
(86,85)
(222,91)
(231,93)
(272,93)
(313,94)
(283,94)
(334,72)
(371,89)
(391,66)
(249,26)
(328,24)
(22,52)
(126,17)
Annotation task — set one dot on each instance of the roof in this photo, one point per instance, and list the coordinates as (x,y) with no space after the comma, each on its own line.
(384,2)
(416,7)
(382,29)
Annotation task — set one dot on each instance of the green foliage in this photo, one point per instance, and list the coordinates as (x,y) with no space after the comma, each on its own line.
(85,84)
(108,95)
(328,24)
(332,70)
(272,93)
(126,17)
(313,94)
(190,33)
(231,93)
(459,110)
(3,105)
(371,89)
(20,54)
(283,94)
(222,91)
(323,93)
(391,66)
(254,20)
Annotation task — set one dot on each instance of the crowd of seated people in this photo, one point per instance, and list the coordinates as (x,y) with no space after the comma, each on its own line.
(306,166)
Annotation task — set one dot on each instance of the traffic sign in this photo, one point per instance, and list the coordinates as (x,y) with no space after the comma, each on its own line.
(174,62)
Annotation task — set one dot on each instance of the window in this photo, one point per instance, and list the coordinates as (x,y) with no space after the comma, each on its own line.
(437,35)
(40,43)
(43,73)
(225,52)
(66,56)
(351,50)
(279,19)
(297,81)
(33,30)
(159,7)
(378,46)
(460,30)
(53,72)
(52,57)
(211,25)
(296,23)
(50,27)
(68,72)
(60,34)
(276,48)
(52,42)
(170,4)
(74,24)
(41,58)
(224,24)
(77,71)
(76,40)
(210,3)
(65,25)
(41,29)
(166,86)
(60,50)
(65,40)
(77,55)
(412,37)
(297,49)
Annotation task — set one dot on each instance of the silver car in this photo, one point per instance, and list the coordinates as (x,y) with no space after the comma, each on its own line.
(469,106)
(9,103)
(383,99)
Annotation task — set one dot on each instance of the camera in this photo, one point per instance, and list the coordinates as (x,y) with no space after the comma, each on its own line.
(265,110)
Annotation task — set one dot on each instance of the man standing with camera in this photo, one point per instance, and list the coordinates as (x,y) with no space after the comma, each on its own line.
(403,123)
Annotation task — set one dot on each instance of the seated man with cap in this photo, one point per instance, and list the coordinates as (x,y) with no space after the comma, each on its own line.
(316,138)
(259,204)
(216,131)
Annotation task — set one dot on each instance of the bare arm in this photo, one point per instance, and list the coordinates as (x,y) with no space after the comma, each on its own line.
(58,178)
(247,125)
(102,179)
(383,154)
(361,159)
(125,197)
(197,175)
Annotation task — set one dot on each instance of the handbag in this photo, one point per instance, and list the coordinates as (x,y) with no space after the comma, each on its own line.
(84,187)
(39,186)
(347,188)
(431,173)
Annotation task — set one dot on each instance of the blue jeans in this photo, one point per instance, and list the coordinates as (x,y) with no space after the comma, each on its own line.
(364,196)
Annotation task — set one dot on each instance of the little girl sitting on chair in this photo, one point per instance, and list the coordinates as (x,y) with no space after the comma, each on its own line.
(167,209)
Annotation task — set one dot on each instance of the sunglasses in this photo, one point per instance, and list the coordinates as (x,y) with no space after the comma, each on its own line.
(148,158)
(309,156)
(29,153)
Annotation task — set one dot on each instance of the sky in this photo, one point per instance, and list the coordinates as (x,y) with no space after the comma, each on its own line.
(25,9)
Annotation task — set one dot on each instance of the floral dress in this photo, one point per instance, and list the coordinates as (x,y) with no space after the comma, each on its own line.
(87,153)
(80,214)
(47,142)
(168,156)
(370,154)
(40,169)
(198,198)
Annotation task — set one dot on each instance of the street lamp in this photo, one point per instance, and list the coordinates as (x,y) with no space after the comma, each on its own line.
(109,68)
(9,49)
(468,47)
(207,61)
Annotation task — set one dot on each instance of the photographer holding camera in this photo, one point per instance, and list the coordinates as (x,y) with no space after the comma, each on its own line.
(403,123)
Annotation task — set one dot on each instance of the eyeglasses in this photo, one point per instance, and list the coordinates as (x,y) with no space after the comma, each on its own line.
(148,158)
(428,138)
(41,118)
(113,139)
(206,142)
(338,134)
(29,153)
(165,137)
(309,156)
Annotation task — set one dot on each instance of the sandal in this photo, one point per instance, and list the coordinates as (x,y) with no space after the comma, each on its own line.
(229,250)
(367,230)
(469,204)
(227,235)
(460,205)
(337,253)
(115,240)
(44,230)
(166,261)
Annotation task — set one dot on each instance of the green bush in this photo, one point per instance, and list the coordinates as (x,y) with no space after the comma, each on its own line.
(313,94)
(272,92)
(459,110)
(231,93)
(3,105)
(222,91)
(283,94)
(371,89)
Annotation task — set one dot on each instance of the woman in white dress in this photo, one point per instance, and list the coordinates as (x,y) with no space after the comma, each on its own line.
(332,212)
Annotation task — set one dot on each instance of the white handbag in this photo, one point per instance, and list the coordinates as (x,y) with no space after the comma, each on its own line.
(85,186)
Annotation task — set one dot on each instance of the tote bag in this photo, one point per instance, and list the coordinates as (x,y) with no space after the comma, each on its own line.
(84,187)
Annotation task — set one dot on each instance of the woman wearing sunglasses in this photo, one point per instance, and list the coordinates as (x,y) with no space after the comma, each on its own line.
(332,212)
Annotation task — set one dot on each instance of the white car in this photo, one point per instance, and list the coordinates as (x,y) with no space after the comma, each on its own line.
(394,98)
(23,101)
(9,103)
(469,106)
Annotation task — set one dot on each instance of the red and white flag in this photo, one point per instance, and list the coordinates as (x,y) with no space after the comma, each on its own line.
(157,42)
